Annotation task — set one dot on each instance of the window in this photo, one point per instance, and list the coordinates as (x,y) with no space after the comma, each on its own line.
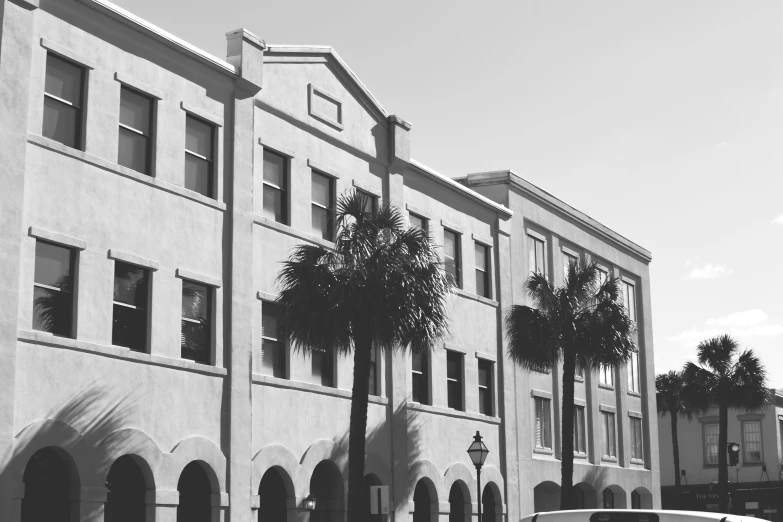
(608,499)
(135,146)
(199,155)
(610,446)
(451,248)
(370,202)
(63,98)
(580,442)
(579,372)
(375,384)
(636,500)
(131,291)
(637,444)
(454,362)
(603,276)
(322,367)
(543,423)
(275,186)
(273,344)
(420,378)
(606,374)
(53,284)
(629,298)
(536,255)
(417,222)
(751,442)
(483,287)
(567,260)
(323,206)
(485,386)
(710,435)
(633,373)
(196,323)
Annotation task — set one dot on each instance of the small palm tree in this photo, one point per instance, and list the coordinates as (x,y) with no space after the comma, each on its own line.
(670,399)
(727,379)
(381,286)
(580,323)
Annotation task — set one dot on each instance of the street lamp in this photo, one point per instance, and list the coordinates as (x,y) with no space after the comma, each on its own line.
(478,454)
(309,503)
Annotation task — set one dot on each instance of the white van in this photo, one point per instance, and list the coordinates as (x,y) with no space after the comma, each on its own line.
(633,515)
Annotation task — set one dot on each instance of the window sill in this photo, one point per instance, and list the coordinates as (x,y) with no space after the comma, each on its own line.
(609,459)
(582,456)
(276,382)
(605,386)
(58,147)
(285,229)
(117,352)
(543,451)
(752,464)
(634,394)
(474,297)
(639,462)
(577,378)
(448,412)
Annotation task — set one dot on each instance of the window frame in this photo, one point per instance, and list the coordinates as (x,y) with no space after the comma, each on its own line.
(330,362)
(210,319)
(148,160)
(604,371)
(568,254)
(745,461)
(280,340)
(284,190)
(546,408)
(532,237)
(212,163)
(375,200)
(457,279)
(458,381)
(424,375)
(330,225)
(487,273)
(580,432)
(637,439)
(147,309)
(489,406)
(704,427)
(80,113)
(424,222)
(375,369)
(609,432)
(73,261)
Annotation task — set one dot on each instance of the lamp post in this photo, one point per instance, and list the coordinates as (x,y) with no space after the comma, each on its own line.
(478,454)
(309,503)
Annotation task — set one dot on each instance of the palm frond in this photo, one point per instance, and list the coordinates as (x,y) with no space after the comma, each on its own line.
(541,291)
(532,341)
(717,353)
(749,390)
(669,397)
(699,387)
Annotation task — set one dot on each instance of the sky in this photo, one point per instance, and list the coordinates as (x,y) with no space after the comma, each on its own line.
(661,119)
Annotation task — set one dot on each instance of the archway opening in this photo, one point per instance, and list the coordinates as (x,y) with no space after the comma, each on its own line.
(370,480)
(125,500)
(489,503)
(641,498)
(614,497)
(546,497)
(273,497)
(585,496)
(423,499)
(195,492)
(326,485)
(459,502)
(49,483)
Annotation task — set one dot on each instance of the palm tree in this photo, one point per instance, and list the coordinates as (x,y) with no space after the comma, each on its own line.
(381,287)
(580,323)
(727,379)
(670,399)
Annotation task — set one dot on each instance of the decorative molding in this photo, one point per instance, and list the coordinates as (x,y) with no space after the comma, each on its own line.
(634,394)
(486,356)
(570,251)
(137,85)
(275,148)
(607,408)
(364,187)
(285,229)
(323,169)
(263,296)
(636,414)
(541,393)
(708,419)
(202,113)
(530,232)
(751,416)
(484,240)
(418,211)
(312,92)
(448,412)
(452,226)
(198,278)
(455,348)
(162,497)
(54,237)
(118,255)
(30,5)
(67,53)
(605,386)
(475,297)
(579,402)
(275,382)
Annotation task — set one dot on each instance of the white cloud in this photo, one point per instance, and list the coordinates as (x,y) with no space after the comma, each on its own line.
(751,323)
(709,272)
(778,220)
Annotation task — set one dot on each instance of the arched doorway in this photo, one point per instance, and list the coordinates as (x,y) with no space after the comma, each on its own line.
(489,501)
(546,497)
(48,483)
(195,493)
(125,500)
(585,496)
(273,497)
(423,498)
(326,485)
(369,481)
(608,499)
(641,498)
(459,502)
(614,497)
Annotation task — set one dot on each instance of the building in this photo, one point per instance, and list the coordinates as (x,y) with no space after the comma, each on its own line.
(755,484)
(150,191)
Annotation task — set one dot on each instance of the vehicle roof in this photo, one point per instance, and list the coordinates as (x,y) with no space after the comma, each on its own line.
(663,514)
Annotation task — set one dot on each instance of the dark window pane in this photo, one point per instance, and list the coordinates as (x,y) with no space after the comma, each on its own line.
(273,204)
(322,190)
(481,257)
(61,122)
(322,368)
(195,341)
(420,378)
(481,288)
(322,223)
(195,303)
(417,222)
(485,406)
(373,389)
(484,373)
(198,175)
(130,284)
(135,111)
(53,311)
(129,328)
(133,151)
(198,137)
(274,169)
(273,358)
(451,248)
(53,265)
(453,366)
(455,396)
(63,79)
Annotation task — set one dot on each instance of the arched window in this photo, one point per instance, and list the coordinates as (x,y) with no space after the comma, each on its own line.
(488,502)
(422,502)
(457,503)
(125,500)
(195,493)
(47,488)
(272,497)
(326,485)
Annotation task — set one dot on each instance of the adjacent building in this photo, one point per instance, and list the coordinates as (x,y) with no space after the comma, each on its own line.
(150,192)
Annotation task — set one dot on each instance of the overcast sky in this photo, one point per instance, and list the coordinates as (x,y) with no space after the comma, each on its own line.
(661,119)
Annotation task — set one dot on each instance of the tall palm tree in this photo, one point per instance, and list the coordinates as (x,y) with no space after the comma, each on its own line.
(670,399)
(580,323)
(727,379)
(381,286)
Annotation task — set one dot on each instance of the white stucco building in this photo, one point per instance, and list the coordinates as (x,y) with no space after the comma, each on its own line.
(149,192)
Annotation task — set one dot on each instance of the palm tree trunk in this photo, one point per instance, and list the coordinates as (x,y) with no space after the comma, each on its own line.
(358,427)
(567,433)
(723,469)
(676,452)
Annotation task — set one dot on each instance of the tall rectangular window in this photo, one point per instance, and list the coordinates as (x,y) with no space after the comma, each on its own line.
(417,222)
(131,292)
(63,98)
(275,187)
(568,259)
(637,444)
(273,345)
(610,444)
(420,378)
(322,367)
(199,156)
(370,202)
(603,276)
(323,206)
(196,322)
(751,442)
(135,146)
(633,373)
(454,365)
(53,284)
(375,384)
(451,250)
(536,255)
(483,287)
(606,374)
(485,372)
(543,423)
(580,442)
(710,434)
(629,299)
